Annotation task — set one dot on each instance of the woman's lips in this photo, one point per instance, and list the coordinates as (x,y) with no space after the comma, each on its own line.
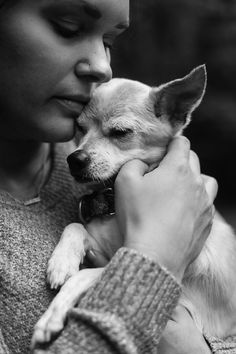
(70,105)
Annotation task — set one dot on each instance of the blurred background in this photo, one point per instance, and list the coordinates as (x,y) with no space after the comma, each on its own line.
(166,39)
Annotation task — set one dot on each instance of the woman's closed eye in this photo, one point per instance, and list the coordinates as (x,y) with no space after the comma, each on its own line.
(72,29)
(68,28)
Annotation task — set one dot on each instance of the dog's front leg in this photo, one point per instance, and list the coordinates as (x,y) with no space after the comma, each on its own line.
(52,321)
(68,255)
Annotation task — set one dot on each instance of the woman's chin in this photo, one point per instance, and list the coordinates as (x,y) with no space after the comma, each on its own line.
(58,136)
(54,125)
(60,129)
(47,125)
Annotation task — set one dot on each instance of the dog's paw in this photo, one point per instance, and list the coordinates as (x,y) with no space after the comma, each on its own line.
(68,255)
(50,324)
(62,266)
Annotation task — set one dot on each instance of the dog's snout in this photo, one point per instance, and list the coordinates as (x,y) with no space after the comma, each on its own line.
(78,160)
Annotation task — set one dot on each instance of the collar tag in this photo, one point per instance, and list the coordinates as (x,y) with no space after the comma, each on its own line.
(99,203)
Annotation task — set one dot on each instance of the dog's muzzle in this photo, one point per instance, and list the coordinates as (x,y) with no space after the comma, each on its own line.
(97,204)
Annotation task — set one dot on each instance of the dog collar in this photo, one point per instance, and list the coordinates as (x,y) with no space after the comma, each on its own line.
(99,203)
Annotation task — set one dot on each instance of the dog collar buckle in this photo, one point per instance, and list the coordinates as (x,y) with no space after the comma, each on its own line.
(97,204)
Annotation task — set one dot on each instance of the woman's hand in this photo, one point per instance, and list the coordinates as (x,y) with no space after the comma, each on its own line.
(181,335)
(166,214)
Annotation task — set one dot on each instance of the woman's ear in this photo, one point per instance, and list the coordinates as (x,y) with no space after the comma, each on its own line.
(176,100)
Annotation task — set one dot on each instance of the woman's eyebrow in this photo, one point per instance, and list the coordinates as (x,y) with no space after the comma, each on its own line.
(91,10)
(75,6)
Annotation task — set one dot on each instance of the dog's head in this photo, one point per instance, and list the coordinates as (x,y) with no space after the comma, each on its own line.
(128,120)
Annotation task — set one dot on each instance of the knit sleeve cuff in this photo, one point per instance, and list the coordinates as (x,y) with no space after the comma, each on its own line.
(136,289)
(220,346)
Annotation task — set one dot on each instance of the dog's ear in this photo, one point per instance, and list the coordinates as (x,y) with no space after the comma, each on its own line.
(177,99)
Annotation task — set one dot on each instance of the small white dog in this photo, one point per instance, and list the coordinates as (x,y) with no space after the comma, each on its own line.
(128,120)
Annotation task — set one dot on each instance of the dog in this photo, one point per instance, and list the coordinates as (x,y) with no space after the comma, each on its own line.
(128,120)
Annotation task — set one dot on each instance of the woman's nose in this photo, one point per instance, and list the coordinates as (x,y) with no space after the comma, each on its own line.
(96,66)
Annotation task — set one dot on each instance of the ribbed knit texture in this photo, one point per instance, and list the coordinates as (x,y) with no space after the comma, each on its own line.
(218,346)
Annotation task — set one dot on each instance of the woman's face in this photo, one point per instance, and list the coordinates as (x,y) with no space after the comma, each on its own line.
(53,53)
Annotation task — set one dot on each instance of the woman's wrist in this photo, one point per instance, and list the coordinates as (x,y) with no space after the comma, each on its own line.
(164,260)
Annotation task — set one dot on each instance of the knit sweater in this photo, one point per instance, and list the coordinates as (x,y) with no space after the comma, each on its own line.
(125,312)
(28,235)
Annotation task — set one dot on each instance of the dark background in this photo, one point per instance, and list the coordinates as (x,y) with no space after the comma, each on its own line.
(167,38)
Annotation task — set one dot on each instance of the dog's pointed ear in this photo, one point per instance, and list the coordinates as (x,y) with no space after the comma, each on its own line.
(177,99)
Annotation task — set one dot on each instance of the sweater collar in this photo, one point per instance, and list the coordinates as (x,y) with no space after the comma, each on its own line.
(57,186)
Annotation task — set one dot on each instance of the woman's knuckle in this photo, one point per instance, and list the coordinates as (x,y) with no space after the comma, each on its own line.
(199,185)
(211,179)
(185,141)
(181,166)
(194,155)
(199,182)
(214,183)
(125,176)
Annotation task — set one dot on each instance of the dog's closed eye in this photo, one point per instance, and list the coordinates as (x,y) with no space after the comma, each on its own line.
(120,133)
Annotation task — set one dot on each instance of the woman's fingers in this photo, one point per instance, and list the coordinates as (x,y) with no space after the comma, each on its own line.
(194,162)
(211,186)
(133,169)
(178,150)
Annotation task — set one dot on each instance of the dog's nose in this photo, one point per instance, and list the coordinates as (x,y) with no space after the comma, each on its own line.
(78,160)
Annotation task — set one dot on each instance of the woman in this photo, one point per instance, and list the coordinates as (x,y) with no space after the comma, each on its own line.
(53,54)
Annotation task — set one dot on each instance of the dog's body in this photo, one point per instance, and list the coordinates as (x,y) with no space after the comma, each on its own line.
(125,120)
